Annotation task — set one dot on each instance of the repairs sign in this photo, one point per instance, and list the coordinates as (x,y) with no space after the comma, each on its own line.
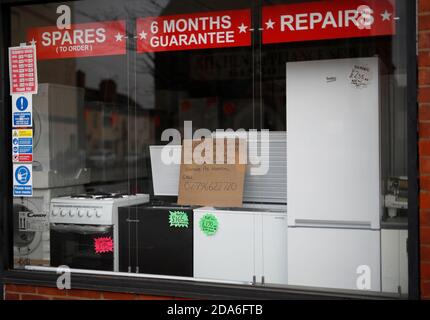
(81,40)
(194,31)
(22,145)
(328,20)
(22,70)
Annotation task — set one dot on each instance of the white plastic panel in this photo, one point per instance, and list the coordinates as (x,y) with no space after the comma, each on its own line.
(333,144)
(274,244)
(228,254)
(165,177)
(390,260)
(330,258)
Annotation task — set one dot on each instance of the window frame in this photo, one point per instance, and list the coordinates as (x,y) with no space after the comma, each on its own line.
(190,289)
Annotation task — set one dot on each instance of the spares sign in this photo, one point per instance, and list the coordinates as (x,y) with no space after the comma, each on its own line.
(81,40)
(333,19)
(194,31)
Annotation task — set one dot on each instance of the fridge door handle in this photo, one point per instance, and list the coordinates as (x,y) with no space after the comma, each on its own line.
(332,224)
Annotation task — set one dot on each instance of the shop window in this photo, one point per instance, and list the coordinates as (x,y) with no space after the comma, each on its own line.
(327,79)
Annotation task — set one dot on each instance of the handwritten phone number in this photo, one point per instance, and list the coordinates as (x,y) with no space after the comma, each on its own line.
(210,186)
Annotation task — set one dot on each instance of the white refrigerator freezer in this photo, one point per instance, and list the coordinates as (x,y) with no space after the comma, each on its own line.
(334,176)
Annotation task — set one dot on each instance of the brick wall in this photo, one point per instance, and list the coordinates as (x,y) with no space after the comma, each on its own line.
(424,142)
(22,292)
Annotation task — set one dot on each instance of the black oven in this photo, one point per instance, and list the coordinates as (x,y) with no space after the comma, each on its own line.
(82,246)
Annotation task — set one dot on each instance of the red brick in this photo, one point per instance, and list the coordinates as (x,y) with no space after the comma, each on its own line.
(425,290)
(425,200)
(424,97)
(423,6)
(425,129)
(424,23)
(425,218)
(424,165)
(33,297)
(425,235)
(20,288)
(424,40)
(118,296)
(11,296)
(424,147)
(146,297)
(423,77)
(51,291)
(424,57)
(425,253)
(424,112)
(84,294)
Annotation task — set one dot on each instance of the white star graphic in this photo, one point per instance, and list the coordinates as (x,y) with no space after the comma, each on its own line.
(242,28)
(270,24)
(143,35)
(33,42)
(386,16)
(118,37)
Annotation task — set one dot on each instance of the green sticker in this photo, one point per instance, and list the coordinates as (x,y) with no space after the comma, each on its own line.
(178,219)
(209,224)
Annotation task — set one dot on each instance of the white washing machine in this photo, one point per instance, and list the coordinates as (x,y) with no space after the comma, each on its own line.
(59,137)
(31,225)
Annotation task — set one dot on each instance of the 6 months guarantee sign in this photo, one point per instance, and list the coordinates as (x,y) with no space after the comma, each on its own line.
(194,31)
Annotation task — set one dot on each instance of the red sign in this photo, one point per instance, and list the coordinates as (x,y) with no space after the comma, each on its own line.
(23,158)
(103,245)
(81,40)
(23,70)
(328,20)
(194,31)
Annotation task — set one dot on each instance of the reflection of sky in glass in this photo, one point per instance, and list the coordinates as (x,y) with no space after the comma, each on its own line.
(97,69)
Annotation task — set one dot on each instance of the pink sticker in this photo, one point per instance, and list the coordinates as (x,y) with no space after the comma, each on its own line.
(103,245)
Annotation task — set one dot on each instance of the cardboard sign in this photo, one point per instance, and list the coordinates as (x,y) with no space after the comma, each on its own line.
(81,40)
(23,70)
(22,110)
(194,31)
(22,145)
(328,20)
(218,185)
(22,180)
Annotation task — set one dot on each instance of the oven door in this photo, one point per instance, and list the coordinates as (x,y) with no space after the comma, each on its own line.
(82,246)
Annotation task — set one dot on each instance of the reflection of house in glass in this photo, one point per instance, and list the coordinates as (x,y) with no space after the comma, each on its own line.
(118,132)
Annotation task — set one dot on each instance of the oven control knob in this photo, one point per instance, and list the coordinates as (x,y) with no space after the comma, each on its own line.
(81,213)
(90,213)
(55,212)
(72,212)
(63,212)
(98,213)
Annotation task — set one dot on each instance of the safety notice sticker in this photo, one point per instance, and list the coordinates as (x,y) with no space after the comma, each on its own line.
(22,180)
(22,110)
(22,145)
(23,70)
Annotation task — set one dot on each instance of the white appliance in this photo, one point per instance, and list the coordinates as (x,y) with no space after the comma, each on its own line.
(334,179)
(394,260)
(250,245)
(98,209)
(59,138)
(31,225)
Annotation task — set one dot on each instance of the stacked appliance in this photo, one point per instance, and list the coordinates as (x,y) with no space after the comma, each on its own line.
(250,244)
(150,241)
(84,229)
(58,168)
(334,174)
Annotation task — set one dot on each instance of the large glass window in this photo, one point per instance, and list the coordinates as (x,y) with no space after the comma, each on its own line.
(328,80)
